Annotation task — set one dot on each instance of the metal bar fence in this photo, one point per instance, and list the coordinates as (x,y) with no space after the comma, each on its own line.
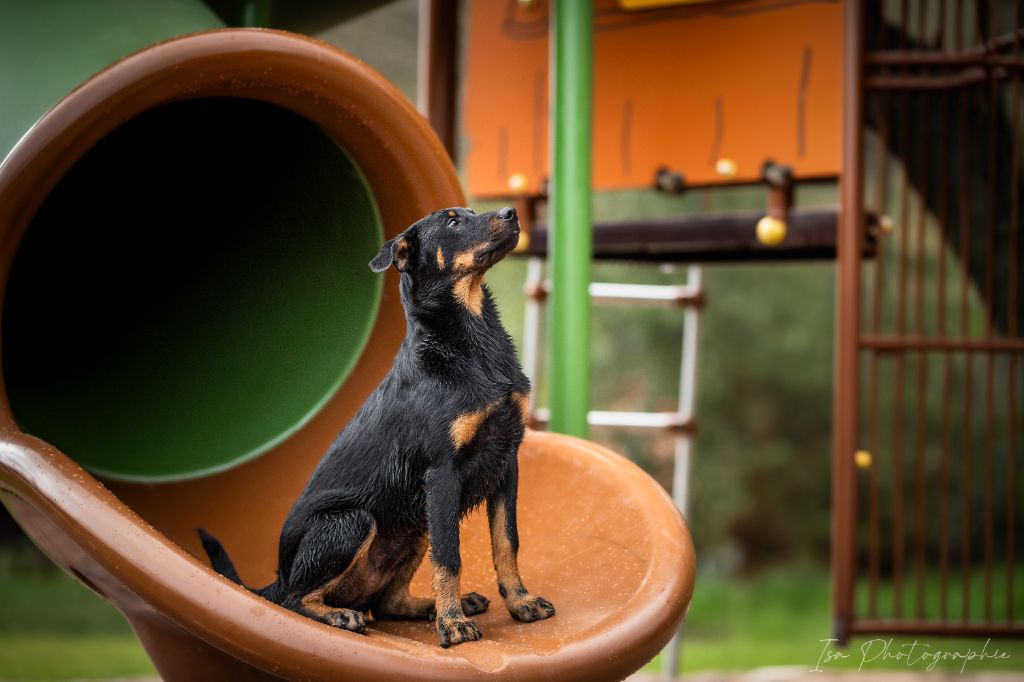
(928,372)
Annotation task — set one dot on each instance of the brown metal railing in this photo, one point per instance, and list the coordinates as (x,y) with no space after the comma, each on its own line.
(928,373)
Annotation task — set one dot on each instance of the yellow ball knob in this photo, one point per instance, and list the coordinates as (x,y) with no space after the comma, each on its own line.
(524,242)
(862,458)
(771,231)
(726,168)
(517,183)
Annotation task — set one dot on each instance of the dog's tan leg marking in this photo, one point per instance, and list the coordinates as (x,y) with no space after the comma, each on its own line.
(339,617)
(440,259)
(453,627)
(505,562)
(396,601)
(446,592)
(520,603)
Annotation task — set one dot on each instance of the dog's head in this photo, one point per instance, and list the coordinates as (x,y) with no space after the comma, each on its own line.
(451,244)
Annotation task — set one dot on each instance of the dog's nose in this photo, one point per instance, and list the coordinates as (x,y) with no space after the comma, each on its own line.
(507,213)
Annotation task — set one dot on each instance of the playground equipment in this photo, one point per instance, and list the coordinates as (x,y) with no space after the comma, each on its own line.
(928,373)
(722,94)
(927,408)
(188,321)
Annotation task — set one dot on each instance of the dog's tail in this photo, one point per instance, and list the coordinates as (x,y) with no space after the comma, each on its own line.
(222,564)
(219,558)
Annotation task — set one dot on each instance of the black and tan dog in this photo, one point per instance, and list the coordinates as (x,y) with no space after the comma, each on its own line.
(440,435)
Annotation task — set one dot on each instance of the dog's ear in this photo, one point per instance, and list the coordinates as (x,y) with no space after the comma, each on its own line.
(397,251)
(383,260)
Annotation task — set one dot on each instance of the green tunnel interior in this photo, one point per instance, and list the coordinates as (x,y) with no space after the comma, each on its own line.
(192,291)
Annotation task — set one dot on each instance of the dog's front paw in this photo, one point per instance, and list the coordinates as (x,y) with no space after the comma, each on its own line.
(346,619)
(474,603)
(456,630)
(529,608)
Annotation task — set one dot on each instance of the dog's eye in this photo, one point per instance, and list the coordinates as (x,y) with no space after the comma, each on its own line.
(454,222)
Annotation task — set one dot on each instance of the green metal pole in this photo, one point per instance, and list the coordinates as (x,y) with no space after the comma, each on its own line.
(250,13)
(571,214)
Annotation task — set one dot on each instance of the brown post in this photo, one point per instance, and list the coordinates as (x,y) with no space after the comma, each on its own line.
(781,189)
(438,61)
(845,419)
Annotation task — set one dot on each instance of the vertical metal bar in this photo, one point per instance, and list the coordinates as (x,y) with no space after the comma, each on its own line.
(920,529)
(845,399)
(681,467)
(1014,245)
(1014,266)
(990,211)
(965,549)
(965,264)
(874,520)
(532,322)
(874,361)
(573,35)
(1011,481)
(250,13)
(437,65)
(687,394)
(947,357)
(900,360)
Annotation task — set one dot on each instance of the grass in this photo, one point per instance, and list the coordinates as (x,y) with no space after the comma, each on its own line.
(52,628)
(41,656)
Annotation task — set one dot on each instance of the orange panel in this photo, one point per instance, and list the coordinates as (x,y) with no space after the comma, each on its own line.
(682,86)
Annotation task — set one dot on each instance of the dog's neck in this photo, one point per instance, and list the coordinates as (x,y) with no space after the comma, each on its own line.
(440,323)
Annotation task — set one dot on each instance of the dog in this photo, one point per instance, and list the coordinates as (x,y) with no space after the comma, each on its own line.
(439,436)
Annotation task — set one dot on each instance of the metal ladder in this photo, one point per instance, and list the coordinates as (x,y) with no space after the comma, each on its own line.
(690,297)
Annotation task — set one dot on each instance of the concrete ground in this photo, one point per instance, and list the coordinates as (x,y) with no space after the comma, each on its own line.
(797,673)
(802,674)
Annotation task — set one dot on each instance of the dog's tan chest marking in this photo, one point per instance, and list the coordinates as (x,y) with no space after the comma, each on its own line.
(470,294)
(465,426)
(523,401)
(467,288)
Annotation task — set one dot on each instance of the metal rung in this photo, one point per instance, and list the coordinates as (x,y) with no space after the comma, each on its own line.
(681,424)
(674,421)
(672,294)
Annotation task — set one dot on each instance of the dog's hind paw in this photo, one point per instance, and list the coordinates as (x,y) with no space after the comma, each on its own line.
(528,609)
(474,603)
(346,619)
(456,631)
